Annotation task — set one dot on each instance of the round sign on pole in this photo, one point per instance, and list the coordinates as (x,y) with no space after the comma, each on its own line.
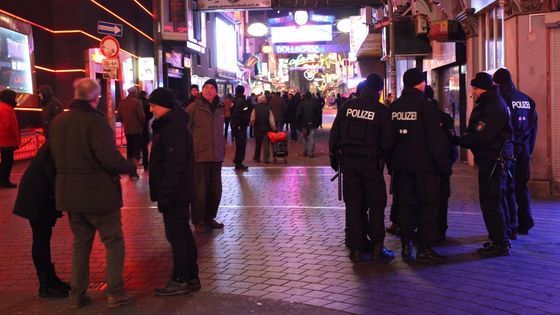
(109,47)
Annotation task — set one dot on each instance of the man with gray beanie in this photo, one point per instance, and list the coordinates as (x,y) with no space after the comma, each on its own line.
(360,141)
(488,136)
(524,123)
(172,186)
(88,188)
(419,159)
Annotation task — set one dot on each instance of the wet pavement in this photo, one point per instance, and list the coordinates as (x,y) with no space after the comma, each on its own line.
(282,252)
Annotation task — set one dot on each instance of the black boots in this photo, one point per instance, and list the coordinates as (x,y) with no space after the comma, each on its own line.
(380,253)
(407,249)
(50,286)
(428,255)
(357,256)
(494,250)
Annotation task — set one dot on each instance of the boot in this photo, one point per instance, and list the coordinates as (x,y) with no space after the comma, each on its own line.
(407,249)
(48,289)
(380,253)
(358,256)
(55,281)
(428,255)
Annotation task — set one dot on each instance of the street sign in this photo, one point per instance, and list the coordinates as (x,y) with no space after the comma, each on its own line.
(109,47)
(110,68)
(108,28)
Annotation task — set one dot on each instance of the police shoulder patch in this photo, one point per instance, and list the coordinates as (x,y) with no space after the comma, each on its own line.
(480,126)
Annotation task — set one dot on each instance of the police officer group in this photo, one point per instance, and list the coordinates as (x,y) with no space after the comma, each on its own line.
(409,136)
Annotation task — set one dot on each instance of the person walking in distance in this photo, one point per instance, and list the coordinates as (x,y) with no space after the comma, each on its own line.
(308,116)
(51,107)
(524,120)
(131,114)
(88,188)
(9,136)
(172,187)
(262,121)
(206,120)
(240,119)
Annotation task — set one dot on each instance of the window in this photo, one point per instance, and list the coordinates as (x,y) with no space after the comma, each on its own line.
(491,32)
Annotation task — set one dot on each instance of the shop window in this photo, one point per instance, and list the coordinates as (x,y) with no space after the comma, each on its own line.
(491,32)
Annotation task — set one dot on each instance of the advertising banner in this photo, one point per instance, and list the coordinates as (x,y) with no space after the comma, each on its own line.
(233,4)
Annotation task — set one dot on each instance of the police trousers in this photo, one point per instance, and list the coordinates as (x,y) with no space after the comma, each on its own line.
(492,188)
(522,174)
(365,197)
(419,197)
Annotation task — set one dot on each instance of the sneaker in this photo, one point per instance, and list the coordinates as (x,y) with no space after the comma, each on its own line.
(78,301)
(194,284)
(118,300)
(200,228)
(215,225)
(173,288)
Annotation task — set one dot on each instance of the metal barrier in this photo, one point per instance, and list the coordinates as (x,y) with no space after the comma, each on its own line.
(31,141)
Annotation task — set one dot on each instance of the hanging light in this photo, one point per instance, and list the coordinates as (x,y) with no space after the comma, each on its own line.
(344,25)
(257,29)
(301,17)
(266,48)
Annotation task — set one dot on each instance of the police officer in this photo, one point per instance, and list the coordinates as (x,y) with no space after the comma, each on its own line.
(489,137)
(524,123)
(240,118)
(419,159)
(362,133)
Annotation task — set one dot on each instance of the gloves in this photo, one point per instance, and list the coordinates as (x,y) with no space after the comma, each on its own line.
(334,162)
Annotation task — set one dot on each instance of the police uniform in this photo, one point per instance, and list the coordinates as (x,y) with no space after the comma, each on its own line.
(488,135)
(419,158)
(524,123)
(362,132)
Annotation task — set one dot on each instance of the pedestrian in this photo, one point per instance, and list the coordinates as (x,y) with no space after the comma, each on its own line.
(131,114)
(361,139)
(172,186)
(524,120)
(206,120)
(321,103)
(489,136)
(51,107)
(145,130)
(418,160)
(228,103)
(448,126)
(308,116)
(88,188)
(10,138)
(195,95)
(35,202)
(262,121)
(278,106)
(240,119)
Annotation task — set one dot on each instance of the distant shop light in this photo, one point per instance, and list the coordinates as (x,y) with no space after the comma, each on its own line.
(257,29)
(344,26)
(266,48)
(301,17)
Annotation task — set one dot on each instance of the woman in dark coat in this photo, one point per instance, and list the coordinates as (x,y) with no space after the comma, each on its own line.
(35,202)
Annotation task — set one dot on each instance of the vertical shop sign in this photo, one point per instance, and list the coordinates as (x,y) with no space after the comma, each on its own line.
(177,11)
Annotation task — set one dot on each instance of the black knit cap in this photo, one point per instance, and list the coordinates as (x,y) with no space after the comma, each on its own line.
(162,97)
(9,97)
(212,82)
(502,76)
(239,90)
(374,82)
(413,77)
(482,80)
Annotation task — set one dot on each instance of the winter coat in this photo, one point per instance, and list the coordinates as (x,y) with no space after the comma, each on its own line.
(131,114)
(9,127)
(240,112)
(308,114)
(278,106)
(35,198)
(172,159)
(52,106)
(87,161)
(207,127)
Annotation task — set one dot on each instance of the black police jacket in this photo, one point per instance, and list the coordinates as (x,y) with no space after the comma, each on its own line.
(421,144)
(240,112)
(489,130)
(172,159)
(362,128)
(523,115)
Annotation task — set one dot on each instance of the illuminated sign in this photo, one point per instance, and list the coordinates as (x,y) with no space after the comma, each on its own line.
(229,4)
(146,68)
(311,61)
(309,49)
(226,46)
(301,34)
(15,62)
(317,18)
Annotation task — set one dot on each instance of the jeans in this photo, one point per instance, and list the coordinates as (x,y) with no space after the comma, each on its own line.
(308,141)
(83,226)
(179,235)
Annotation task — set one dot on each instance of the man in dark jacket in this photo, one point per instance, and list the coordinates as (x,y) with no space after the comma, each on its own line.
(172,187)
(88,187)
(35,202)
(240,118)
(50,105)
(278,107)
(489,137)
(524,123)
(195,95)
(262,121)
(419,159)
(362,137)
(206,119)
(131,114)
(308,117)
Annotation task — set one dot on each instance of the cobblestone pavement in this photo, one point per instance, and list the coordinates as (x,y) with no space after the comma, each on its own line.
(282,252)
